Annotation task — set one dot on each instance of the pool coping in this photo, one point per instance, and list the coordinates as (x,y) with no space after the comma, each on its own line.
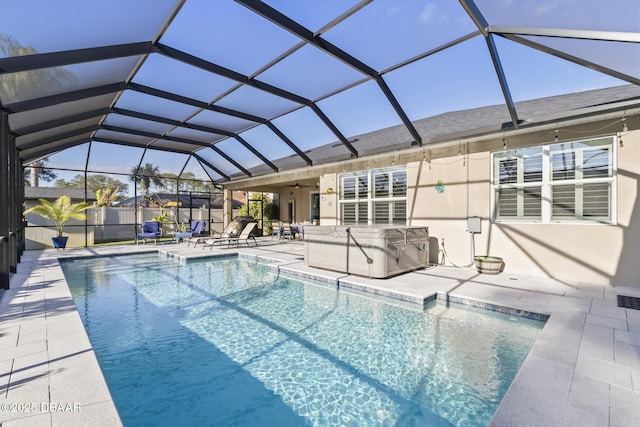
(583,369)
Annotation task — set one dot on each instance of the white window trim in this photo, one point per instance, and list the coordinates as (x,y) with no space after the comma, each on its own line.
(370,198)
(547,185)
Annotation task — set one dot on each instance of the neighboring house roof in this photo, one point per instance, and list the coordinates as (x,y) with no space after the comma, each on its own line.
(52,193)
(198,201)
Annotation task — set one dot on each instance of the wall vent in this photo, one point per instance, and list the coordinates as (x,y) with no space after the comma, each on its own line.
(625,301)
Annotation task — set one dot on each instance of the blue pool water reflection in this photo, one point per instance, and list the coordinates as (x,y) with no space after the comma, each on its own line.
(230,342)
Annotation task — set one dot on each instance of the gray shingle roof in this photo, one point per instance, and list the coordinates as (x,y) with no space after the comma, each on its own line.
(52,193)
(450,124)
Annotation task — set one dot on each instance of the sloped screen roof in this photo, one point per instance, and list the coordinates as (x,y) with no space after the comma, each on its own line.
(241,88)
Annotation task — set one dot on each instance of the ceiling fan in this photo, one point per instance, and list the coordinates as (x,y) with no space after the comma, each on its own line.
(298,185)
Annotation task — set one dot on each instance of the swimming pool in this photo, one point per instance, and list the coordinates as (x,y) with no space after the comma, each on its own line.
(230,342)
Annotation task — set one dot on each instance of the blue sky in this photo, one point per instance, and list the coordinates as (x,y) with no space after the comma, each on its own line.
(381,34)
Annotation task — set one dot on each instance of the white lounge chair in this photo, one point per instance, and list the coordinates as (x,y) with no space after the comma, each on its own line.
(245,235)
(224,236)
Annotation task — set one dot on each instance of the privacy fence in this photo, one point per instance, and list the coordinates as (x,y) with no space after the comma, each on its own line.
(106,224)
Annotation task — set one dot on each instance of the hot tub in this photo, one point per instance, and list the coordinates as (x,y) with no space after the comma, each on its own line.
(372,251)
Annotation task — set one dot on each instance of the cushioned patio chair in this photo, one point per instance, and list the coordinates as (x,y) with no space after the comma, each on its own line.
(150,230)
(197,229)
(200,233)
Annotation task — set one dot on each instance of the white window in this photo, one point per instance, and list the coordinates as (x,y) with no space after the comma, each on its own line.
(564,182)
(354,194)
(374,197)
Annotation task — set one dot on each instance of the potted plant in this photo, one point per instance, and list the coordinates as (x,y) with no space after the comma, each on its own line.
(162,218)
(488,264)
(60,212)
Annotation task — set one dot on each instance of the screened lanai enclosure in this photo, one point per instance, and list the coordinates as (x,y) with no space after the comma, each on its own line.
(289,97)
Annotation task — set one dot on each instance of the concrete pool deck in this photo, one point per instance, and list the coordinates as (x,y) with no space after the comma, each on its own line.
(584,368)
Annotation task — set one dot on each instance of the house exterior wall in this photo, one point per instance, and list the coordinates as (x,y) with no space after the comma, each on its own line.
(301,198)
(329,199)
(568,252)
(589,253)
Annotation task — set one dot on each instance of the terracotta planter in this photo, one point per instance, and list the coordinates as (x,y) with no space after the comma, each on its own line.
(489,264)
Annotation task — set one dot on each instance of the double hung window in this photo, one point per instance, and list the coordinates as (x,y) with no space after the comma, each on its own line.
(354,194)
(374,197)
(564,182)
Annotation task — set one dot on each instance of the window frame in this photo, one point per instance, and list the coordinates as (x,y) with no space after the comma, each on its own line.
(549,181)
(374,196)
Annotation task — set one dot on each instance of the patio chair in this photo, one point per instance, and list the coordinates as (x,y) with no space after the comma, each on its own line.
(276,230)
(245,235)
(199,235)
(150,230)
(285,231)
(197,229)
(226,234)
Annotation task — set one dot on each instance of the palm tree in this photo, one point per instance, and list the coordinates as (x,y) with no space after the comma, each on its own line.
(16,85)
(37,171)
(145,176)
(60,211)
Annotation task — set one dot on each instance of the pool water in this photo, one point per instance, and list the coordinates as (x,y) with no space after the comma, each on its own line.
(229,341)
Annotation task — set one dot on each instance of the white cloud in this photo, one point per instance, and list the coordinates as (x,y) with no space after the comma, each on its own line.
(428,14)
(392,10)
(550,7)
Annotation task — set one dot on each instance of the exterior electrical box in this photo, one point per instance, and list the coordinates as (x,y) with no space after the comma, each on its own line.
(474,224)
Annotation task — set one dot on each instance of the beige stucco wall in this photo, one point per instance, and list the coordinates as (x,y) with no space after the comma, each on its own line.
(329,199)
(592,253)
(302,201)
(571,253)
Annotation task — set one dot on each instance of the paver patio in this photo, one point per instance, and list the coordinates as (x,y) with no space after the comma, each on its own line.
(584,369)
